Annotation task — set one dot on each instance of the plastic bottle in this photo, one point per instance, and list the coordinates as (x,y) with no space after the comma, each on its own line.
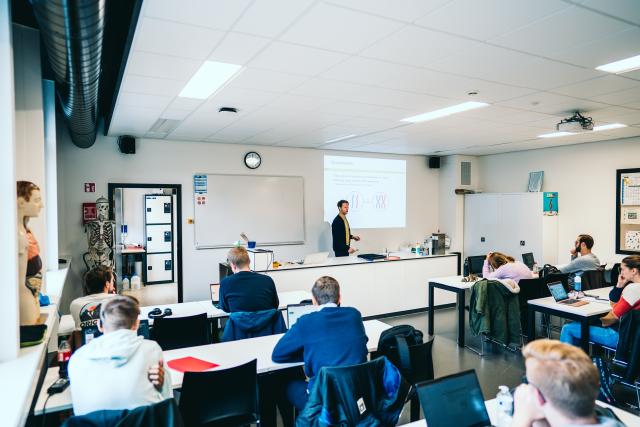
(125,283)
(64,354)
(536,268)
(577,283)
(504,399)
(135,281)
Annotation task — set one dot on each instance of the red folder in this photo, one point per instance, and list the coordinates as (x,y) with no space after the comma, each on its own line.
(190,364)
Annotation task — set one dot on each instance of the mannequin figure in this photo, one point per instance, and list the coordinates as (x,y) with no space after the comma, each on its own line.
(30,264)
(100,236)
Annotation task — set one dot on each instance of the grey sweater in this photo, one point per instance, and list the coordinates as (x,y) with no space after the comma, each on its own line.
(580,264)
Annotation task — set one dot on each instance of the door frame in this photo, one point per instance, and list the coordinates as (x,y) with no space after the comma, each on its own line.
(177,189)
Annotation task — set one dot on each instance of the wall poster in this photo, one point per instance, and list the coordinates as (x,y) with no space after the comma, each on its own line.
(628,211)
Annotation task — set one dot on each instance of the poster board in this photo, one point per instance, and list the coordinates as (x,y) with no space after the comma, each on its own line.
(628,211)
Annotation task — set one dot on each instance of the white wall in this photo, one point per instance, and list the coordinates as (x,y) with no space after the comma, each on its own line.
(175,162)
(584,175)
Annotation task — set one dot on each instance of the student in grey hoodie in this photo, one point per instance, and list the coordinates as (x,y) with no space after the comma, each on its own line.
(118,370)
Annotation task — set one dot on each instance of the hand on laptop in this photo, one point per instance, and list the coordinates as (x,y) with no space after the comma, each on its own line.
(156,375)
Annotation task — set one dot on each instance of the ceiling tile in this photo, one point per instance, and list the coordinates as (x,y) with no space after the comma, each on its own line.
(156,102)
(252,78)
(623,9)
(186,103)
(296,59)
(622,97)
(237,48)
(551,103)
(592,54)
(151,85)
(269,18)
(598,86)
(175,114)
(338,29)
(175,39)
(562,30)
(134,121)
(162,66)
(403,10)
(219,14)
(482,20)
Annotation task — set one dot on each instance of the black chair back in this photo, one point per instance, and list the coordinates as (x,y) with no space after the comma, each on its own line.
(593,279)
(613,274)
(179,332)
(530,289)
(227,397)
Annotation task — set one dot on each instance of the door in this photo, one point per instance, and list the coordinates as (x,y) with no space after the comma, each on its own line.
(481,224)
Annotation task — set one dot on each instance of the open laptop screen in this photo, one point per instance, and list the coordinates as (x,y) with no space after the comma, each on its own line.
(528,260)
(557,291)
(453,400)
(295,311)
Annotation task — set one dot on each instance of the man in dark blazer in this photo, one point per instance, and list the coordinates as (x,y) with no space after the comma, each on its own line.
(341,231)
(332,336)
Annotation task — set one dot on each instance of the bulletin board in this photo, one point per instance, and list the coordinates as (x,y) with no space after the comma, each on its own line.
(628,211)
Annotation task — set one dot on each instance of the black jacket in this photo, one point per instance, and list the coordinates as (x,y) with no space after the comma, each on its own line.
(251,324)
(338,233)
(369,394)
(628,349)
(165,413)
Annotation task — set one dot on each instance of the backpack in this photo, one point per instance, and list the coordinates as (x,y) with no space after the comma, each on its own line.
(547,270)
(399,338)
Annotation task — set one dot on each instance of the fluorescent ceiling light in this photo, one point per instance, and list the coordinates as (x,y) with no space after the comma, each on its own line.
(609,126)
(341,138)
(443,112)
(622,66)
(555,134)
(210,77)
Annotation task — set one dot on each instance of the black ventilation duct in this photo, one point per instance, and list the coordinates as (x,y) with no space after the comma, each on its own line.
(72,32)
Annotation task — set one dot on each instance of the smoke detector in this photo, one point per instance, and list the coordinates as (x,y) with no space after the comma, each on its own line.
(227,110)
(575,124)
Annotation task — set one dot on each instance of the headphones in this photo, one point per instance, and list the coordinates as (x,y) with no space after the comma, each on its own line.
(157,313)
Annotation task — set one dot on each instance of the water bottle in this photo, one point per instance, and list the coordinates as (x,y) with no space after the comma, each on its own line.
(125,283)
(577,283)
(536,268)
(64,354)
(504,400)
(135,281)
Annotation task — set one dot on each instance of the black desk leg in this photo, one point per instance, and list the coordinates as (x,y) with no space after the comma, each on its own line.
(584,335)
(531,324)
(431,308)
(460,304)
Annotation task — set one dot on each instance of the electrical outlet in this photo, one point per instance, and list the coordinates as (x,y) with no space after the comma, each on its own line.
(522,243)
(482,239)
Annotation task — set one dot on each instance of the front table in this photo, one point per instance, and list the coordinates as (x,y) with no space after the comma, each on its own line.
(452,284)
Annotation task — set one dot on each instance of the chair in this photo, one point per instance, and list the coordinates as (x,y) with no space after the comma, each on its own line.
(529,289)
(420,369)
(221,398)
(179,332)
(163,413)
(613,274)
(593,279)
(627,353)
(247,324)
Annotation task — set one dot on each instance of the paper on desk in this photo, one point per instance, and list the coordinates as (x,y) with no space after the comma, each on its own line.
(191,364)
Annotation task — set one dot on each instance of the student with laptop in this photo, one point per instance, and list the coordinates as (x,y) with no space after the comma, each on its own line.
(246,290)
(582,259)
(118,370)
(560,390)
(500,266)
(331,336)
(624,297)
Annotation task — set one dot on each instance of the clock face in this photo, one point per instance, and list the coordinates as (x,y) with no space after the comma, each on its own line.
(252,160)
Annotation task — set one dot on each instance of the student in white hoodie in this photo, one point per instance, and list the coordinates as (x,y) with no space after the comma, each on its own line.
(118,370)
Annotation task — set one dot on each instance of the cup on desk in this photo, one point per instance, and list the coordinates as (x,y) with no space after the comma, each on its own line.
(251,244)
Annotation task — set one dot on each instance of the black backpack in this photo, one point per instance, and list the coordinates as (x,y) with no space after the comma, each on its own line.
(399,338)
(547,270)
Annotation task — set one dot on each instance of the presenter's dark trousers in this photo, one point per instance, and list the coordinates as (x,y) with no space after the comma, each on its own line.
(342,253)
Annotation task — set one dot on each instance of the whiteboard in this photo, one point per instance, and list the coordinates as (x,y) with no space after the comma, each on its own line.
(268,209)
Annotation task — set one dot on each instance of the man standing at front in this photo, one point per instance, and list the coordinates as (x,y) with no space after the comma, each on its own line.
(341,231)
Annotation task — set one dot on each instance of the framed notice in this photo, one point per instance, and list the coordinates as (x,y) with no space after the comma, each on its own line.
(628,211)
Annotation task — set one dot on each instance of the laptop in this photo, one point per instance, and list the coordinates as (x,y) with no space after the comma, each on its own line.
(453,400)
(475,264)
(560,295)
(315,258)
(214,288)
(296,311)
(528,260)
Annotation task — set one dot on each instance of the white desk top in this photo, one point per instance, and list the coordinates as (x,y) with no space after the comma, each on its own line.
(626,417)
(226,354)
(453,281)
(595,307)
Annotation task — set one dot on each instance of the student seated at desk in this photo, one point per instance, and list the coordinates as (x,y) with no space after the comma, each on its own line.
(624,297)
(332,336)
(118,370)
(246,290)
(99,285)
(560,390)
(582,259)
(504,267)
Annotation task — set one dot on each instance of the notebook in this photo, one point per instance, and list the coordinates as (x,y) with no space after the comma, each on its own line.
(190,364)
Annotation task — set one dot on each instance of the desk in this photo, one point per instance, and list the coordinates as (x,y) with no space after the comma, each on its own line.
(375,288)
(452,284)
(582,314)
(492,409)
(227,354)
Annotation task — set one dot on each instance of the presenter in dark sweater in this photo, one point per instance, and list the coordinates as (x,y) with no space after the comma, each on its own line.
(246,290)
(341,231)
(332,336)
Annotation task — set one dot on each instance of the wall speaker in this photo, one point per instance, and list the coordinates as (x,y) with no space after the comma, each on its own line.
(127,144)
(434,162)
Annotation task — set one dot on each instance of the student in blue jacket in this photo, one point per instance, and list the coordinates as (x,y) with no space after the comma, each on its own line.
(332,336)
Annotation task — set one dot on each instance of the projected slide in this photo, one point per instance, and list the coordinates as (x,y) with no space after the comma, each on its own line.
(374,188)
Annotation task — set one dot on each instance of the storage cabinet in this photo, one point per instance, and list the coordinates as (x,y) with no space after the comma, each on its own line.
(512,223)
(159,238)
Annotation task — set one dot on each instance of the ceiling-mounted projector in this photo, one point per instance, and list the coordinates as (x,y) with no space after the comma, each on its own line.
(575,124)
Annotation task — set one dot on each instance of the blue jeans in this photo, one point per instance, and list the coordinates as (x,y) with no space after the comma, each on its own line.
(570,334)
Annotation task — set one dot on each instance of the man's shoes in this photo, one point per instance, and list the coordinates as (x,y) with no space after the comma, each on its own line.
(605,394)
